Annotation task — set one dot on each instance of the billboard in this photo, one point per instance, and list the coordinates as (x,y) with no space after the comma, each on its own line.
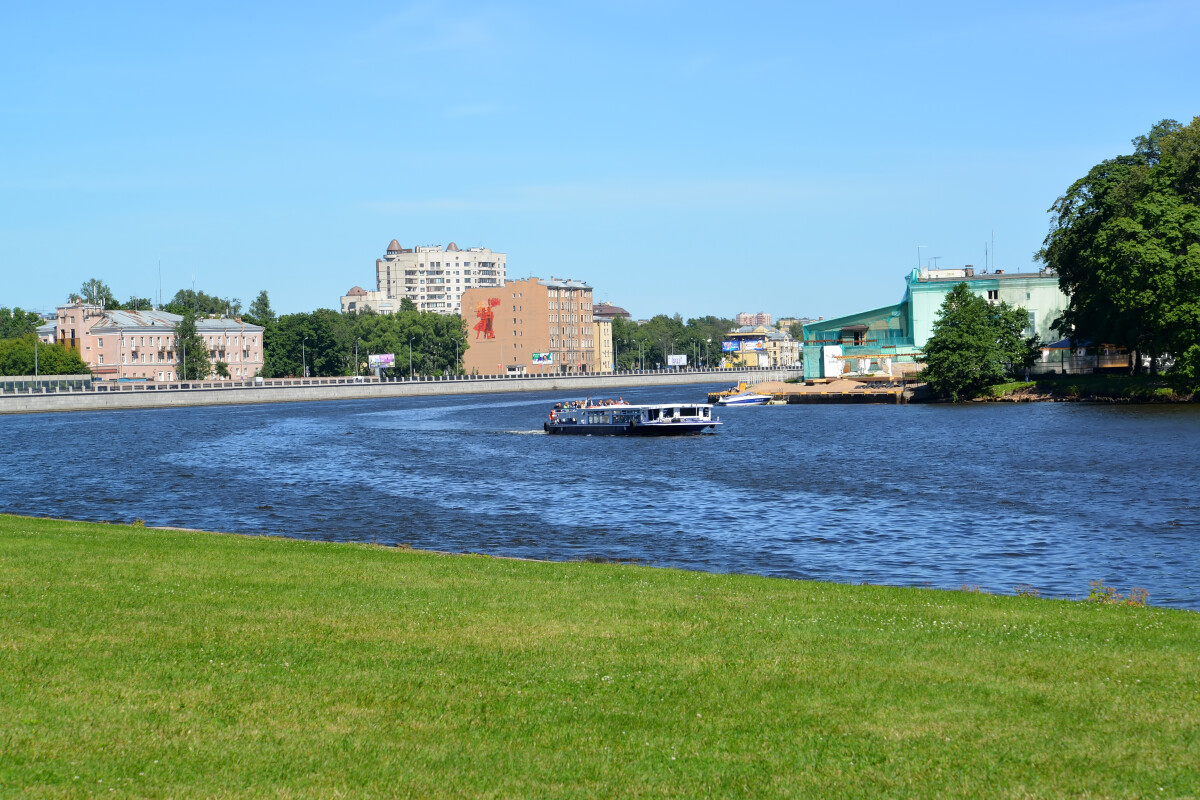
(754,344)
(381,360)
(676,361)
(729,346)
(543,358)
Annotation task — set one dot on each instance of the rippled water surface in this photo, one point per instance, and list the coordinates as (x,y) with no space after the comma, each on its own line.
(1051,495)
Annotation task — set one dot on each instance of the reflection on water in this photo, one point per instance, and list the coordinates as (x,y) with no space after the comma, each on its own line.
(1051,495)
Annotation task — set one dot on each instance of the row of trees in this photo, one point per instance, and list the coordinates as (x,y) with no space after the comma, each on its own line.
(651,342)
(1125,242)
(325,342)
(22,354)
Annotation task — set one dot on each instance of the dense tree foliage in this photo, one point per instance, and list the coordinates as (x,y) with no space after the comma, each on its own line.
(14,322)
(324,341)
(191,349)
(260,311)
(203,304)
(17,357)
(975,344)
(651,342)
(1125,242)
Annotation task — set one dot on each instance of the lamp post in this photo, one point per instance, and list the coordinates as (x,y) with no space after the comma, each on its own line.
(707,354)
(456,357)
(37,338)
(410,369)
(356,341)
(641,356)
(303,358)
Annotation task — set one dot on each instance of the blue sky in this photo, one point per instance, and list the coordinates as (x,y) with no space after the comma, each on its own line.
(700,158)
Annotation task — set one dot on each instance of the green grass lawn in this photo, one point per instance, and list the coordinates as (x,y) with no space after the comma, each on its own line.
(175,664)
(1138,388)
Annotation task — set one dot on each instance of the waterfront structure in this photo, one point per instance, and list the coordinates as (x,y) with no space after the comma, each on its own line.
(761,318)
(889,339)
(431,276)
(759,346)
(142,345)
(533,326)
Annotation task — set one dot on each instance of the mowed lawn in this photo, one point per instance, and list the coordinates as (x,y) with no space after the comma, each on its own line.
(138,662)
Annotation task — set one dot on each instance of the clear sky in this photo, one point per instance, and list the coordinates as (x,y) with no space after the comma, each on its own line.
(691,157)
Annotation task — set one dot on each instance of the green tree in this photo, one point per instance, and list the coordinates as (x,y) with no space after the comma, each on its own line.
(260,311)
(1125,243)
(96,291)
(191,349)
(136,303)
(17,358)
(202,304)
(975,344)
(15,322)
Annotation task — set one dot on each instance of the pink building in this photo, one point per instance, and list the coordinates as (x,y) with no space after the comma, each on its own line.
(761,318)
(143,345)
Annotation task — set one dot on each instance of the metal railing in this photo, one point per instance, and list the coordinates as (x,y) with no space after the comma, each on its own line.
(47,385)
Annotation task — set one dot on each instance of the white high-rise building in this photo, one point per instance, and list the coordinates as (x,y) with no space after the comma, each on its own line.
(431,276)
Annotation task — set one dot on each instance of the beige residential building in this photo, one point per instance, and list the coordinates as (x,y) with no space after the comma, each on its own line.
(431,276)
(509,324)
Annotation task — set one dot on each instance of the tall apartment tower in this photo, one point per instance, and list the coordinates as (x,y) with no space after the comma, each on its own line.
(434,277)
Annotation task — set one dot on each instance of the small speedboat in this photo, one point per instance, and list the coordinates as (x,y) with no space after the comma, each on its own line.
(745,399)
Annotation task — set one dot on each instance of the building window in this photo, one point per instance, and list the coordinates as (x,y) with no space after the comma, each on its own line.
(1033,320)
(993,294)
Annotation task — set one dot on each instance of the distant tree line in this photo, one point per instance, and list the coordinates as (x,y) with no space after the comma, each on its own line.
(652,341)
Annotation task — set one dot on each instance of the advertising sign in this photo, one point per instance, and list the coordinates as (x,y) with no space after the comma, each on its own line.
(754,344)
(543,358)
(381,360)
(729,346)
(676,361)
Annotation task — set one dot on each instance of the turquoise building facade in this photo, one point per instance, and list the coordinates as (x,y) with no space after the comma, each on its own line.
(888,339)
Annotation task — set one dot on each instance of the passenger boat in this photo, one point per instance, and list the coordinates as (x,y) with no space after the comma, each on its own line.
(745,399)
(623,419)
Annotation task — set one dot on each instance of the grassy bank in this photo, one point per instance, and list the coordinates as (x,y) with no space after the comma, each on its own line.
(1121,388)
(174,664)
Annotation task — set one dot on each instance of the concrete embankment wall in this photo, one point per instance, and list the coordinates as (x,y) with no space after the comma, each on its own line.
(570,386)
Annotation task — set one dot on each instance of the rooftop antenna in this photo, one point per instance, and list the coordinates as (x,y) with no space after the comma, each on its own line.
(160,283)
(934,259)
(919,254)
(993,247)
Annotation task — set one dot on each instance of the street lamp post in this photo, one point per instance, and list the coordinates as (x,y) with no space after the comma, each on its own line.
(303,358)
(707,354)
(356,341)
(456,357)
(410,369)
(36,340)
(641,356)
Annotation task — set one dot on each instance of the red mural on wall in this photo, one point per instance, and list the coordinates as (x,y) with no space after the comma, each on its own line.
(485,314)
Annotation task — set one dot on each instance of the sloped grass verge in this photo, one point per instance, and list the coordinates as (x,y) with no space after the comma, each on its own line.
(179,664)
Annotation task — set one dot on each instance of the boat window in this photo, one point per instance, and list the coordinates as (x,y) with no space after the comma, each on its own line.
(689,412)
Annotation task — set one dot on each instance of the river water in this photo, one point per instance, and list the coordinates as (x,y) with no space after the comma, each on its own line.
(1052,495)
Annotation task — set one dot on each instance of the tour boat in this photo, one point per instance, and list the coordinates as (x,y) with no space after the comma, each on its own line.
(745,399)
(623,419)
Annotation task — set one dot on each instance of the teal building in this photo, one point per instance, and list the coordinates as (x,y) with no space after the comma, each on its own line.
(887,339)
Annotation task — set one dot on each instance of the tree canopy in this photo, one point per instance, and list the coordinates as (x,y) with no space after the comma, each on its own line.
(14,322)
(663,335)
(324,341)
(975,344)
(1125,243)
(17,357)
(191,350)
(203,304)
